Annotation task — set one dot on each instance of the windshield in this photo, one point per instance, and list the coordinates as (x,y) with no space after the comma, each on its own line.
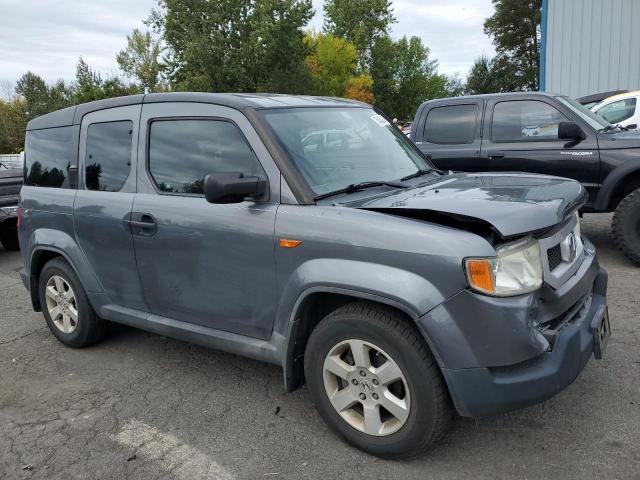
(337,147)
(596,121)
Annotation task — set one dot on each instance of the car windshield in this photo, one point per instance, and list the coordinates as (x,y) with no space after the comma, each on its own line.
(596,121)
(337,147)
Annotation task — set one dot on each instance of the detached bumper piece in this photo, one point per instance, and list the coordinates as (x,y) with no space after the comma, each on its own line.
(480,392)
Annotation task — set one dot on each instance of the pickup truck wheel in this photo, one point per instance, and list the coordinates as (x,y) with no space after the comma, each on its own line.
(374,381)
(66,308)
(626,226)
(9,240)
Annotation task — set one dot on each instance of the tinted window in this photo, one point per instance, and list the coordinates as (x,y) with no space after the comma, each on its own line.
(108,160)
(525,120)
(618,111)
(47,157)
(453,124)
(183,152)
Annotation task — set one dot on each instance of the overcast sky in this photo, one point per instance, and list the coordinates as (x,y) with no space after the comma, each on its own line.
(48,36)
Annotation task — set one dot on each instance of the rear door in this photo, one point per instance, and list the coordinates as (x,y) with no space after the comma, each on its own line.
(449,133)
(521,135)
(106,187)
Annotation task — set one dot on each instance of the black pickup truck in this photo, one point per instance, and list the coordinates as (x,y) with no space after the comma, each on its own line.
(10,184)
(540,133)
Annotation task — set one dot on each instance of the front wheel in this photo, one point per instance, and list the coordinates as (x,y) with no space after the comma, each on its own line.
(374,381)
(626,226)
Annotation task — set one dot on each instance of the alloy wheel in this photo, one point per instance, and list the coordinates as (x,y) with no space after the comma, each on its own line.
(366,387)
(61,304)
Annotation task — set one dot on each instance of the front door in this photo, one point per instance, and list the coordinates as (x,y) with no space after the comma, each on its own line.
(202,263)
(106,187)
(522,136)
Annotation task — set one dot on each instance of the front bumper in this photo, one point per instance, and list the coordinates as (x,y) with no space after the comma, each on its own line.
(496,369)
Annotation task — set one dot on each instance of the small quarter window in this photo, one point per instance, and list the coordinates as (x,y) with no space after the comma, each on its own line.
(108,160)
(183,152)
(525,120)
(453,124)
(48,157)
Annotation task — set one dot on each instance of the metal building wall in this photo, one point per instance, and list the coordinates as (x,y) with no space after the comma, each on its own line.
(590,46)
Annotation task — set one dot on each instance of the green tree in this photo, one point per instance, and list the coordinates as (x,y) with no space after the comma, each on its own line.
(360,22)
(482,78)
(37,96)
(360,88)
(12,124)
(515,28)
(90,86)
(404,76)
(332,63)
(141,60)
(235,45)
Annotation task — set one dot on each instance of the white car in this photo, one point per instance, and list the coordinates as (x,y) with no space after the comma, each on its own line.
(622,109)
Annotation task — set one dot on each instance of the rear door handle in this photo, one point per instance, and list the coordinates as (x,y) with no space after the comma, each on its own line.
(493,155)
(143,224)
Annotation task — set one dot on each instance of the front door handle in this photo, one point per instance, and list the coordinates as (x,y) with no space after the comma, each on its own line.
(494,154)
(142,224)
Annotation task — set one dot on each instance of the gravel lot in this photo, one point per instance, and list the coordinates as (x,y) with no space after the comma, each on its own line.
(143,406)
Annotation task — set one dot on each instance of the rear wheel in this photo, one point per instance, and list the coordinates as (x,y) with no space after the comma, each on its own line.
(374,381)
(626,226)
(66,308)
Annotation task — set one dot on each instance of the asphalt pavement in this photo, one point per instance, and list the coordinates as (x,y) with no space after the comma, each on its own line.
(142,406)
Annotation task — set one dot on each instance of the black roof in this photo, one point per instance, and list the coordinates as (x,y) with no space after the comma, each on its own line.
(598,97)
(493,95)
(239,101)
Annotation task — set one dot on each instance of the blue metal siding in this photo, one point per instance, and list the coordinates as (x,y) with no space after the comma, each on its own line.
(589,46)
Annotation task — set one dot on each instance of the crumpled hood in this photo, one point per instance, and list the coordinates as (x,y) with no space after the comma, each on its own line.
(513,203)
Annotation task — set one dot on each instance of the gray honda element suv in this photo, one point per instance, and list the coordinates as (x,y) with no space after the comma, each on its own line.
(311,233)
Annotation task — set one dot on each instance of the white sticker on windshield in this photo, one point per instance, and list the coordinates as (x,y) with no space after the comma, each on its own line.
(380,120)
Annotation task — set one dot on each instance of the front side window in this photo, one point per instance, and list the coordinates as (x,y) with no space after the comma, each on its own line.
(108,159)
(618,111)
(183,152)
(335,147)
(453,124)
(525,120)
(48,157)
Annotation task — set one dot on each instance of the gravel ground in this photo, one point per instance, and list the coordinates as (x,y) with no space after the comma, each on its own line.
(143,406)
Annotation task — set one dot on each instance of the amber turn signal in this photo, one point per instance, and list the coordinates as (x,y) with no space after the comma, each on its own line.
(288,243)
(480,275)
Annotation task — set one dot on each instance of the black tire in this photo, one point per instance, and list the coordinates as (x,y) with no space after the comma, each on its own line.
(90,328)
(626,226)
(430,410)
(9,240)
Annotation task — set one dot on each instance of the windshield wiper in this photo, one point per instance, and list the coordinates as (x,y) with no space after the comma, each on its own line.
(608,128)
(421,172)
(356,187)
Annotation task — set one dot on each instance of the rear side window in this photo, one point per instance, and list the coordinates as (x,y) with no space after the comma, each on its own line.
(183,152)
(48,157)
(525,120)
(453,124)
(618,111)
(108,159)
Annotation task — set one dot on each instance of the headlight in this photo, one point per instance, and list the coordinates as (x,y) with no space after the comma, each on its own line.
(517,269)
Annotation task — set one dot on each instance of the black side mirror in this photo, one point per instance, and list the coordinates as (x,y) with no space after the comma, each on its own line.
(570,131)
(633,126)
(232,187)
